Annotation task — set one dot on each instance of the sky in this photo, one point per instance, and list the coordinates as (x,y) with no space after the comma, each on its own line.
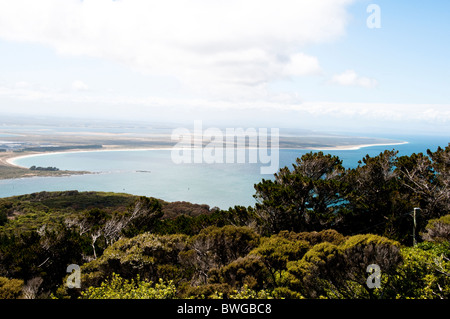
(327,65)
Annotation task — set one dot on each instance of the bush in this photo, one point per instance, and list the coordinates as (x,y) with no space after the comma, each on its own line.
(208,291)
(423,274)
(247,293)
(3,218)
(118,288)
(216,247)
(147,255)
(249,270)
(339,271)
(438,229)
(314,238)
(10,288)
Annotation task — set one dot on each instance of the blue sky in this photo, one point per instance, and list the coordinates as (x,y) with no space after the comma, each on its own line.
(302,64)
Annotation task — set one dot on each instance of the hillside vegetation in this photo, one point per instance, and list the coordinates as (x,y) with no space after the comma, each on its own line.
(315,230)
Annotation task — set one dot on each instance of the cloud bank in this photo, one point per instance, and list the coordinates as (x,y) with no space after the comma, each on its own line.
(350,78)
(224,54)
(210,46)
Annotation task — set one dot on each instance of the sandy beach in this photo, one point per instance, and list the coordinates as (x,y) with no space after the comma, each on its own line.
(352,147)
(9,159)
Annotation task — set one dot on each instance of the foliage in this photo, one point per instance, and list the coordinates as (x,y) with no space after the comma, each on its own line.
(193,224)
(314,237)
(3,217)
(312,234)
(246,293)
(31,212)
(141,216)
(223,291)
(377,196)
(118,288)
(39,168)
(174,209)
(339,271)
(276,251)
(438,229)
(147,255)
(43,254)
(424,273)
(249,270)
(215,247)
(10,288)
(374,202)
(303,199)
(207,291)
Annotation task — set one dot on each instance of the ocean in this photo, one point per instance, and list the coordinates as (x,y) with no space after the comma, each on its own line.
(153,173)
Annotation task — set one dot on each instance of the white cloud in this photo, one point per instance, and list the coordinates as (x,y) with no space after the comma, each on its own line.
(433,114)
(213,47)
(302,64)
(350,78)
(78,85)
(380,112)
(22,85)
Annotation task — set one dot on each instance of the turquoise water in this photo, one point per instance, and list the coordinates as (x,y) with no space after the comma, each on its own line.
(7,135)
(221,185)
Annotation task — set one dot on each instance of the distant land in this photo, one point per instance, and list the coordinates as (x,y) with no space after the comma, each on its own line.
(17,140)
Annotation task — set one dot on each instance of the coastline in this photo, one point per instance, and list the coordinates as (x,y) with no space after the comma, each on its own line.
(10,160)
(354,147)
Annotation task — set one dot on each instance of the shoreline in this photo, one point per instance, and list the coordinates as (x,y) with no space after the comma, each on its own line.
(10,160)
(354,147)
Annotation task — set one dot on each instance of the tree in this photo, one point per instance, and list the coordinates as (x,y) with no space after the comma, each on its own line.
(314,238)
(5,208)
(148,255)
(438,229)
(339,271)
(265,266)
(305,198)
(31,289)
(59,247)
(142,216)
(20,256)
(425,183)
(216,247)
(96,223)
(276,251)
(3,218)
(374,200)
(91,223)
(139,218)
(441,166)
(240,216)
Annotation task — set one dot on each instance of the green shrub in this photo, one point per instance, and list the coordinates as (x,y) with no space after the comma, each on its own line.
(118,288)
(10,288)
(438,229)
(423,274)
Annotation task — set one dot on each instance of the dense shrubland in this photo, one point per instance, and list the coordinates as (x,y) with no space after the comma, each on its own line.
(313,232)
